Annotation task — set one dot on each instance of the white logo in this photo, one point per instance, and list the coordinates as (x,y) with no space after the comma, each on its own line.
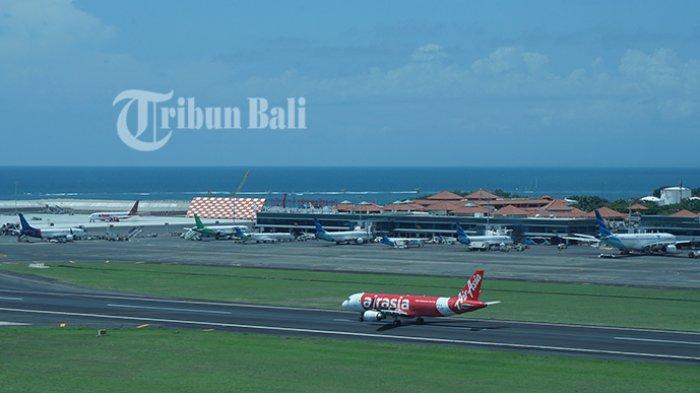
(154,123)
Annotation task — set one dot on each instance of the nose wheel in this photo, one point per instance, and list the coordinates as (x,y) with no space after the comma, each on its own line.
(420,321)
(397,322)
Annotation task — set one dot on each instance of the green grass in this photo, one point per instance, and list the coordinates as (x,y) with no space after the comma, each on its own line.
(166,360)
(527,301)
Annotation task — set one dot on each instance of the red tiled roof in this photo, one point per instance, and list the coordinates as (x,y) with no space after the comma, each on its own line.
(547,197)
(481,195)
(445,196)
(511,210)
(358,207)
(608,214)
(403,207)
(440,206)
(515,202)
(471,210)
(557,205)
(684,213)
(638,207)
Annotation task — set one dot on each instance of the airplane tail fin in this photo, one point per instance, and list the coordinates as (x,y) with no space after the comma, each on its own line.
(461,235)
(198,222)
(602,228)
(386,240)
(24,225)
(239,233)
(319,227)
(472,289)
(134,209)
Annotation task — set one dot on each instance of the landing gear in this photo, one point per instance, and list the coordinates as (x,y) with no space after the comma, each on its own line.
(420,321)
(397,322)
(362,318)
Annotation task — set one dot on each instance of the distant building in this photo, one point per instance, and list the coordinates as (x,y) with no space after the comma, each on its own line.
(674,195)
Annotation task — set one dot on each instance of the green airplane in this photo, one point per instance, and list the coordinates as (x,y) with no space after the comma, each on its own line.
(200,230)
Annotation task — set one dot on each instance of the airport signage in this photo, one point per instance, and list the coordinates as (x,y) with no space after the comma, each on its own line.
(147,119)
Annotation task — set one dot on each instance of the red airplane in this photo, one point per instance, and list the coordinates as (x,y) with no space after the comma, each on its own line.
(374,307)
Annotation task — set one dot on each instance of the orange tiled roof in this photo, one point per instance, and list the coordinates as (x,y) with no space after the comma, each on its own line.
(471,210)
(511,210)
(638,207)
(443,205)
(445,196)
(403,207)
(684,213)
(608,214)
(481,195)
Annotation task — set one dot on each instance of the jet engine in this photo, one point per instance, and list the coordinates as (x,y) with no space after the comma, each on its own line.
(672,249)
(359,240)
(69,238)
(372,316)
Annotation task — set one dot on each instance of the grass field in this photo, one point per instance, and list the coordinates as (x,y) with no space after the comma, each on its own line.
(526,301)
(165,360)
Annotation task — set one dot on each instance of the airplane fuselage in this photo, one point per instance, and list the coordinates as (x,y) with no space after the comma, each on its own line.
(110,216)
(344,236)
(411,306)
(639,241)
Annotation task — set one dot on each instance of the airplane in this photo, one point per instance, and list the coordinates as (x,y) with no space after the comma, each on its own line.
(375,307)
(356,236)
(401,242)
(646,243)
(116,216)
(262,237)
(200,230)
(60,235)
(483,242)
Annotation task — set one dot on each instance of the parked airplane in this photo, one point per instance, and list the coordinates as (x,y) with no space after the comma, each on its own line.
(66,234)
(374,307)
(200,231)
(116,216)
(401,242)
(646,243)
(483,242)
(262,237)
(356,236)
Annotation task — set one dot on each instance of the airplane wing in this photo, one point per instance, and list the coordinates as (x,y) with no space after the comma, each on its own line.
(581,239)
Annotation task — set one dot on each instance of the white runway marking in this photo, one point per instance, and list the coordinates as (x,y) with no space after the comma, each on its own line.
(368,335)
(655,340)
(3,323)
(168,308)
(17,299)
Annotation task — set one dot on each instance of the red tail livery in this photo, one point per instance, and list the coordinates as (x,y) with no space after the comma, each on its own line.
(378,306)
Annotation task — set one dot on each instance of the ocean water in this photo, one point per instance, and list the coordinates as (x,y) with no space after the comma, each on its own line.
(329,185)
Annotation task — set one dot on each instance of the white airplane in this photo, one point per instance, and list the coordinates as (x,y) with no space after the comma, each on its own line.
(262,237)
(356,236)
(401,242)
(200,231)
(116,216)
(483,242)
(647,243)
(66,234)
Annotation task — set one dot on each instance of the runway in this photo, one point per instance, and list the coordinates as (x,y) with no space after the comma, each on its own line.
(26,302)
(540,263)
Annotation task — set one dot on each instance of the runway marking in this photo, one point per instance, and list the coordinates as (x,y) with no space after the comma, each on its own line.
(368,335)
(17,299)
(656,340)
(262,306)
(3,323)
(168,309)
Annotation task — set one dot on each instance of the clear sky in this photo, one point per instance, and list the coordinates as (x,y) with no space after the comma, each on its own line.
(476,83)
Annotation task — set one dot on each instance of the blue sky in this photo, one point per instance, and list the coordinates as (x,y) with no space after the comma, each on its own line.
(474,83)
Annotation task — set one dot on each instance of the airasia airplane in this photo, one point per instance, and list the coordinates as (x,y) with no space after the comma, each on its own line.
(374,307)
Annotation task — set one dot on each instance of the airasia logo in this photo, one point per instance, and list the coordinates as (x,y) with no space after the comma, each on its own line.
(471,287)
(385,303)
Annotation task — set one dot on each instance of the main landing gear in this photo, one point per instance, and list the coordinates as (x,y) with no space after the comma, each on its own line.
(397,322)
(420,321)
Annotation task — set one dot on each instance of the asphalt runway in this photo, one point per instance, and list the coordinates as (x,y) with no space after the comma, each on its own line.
(540,263)
(31,301)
